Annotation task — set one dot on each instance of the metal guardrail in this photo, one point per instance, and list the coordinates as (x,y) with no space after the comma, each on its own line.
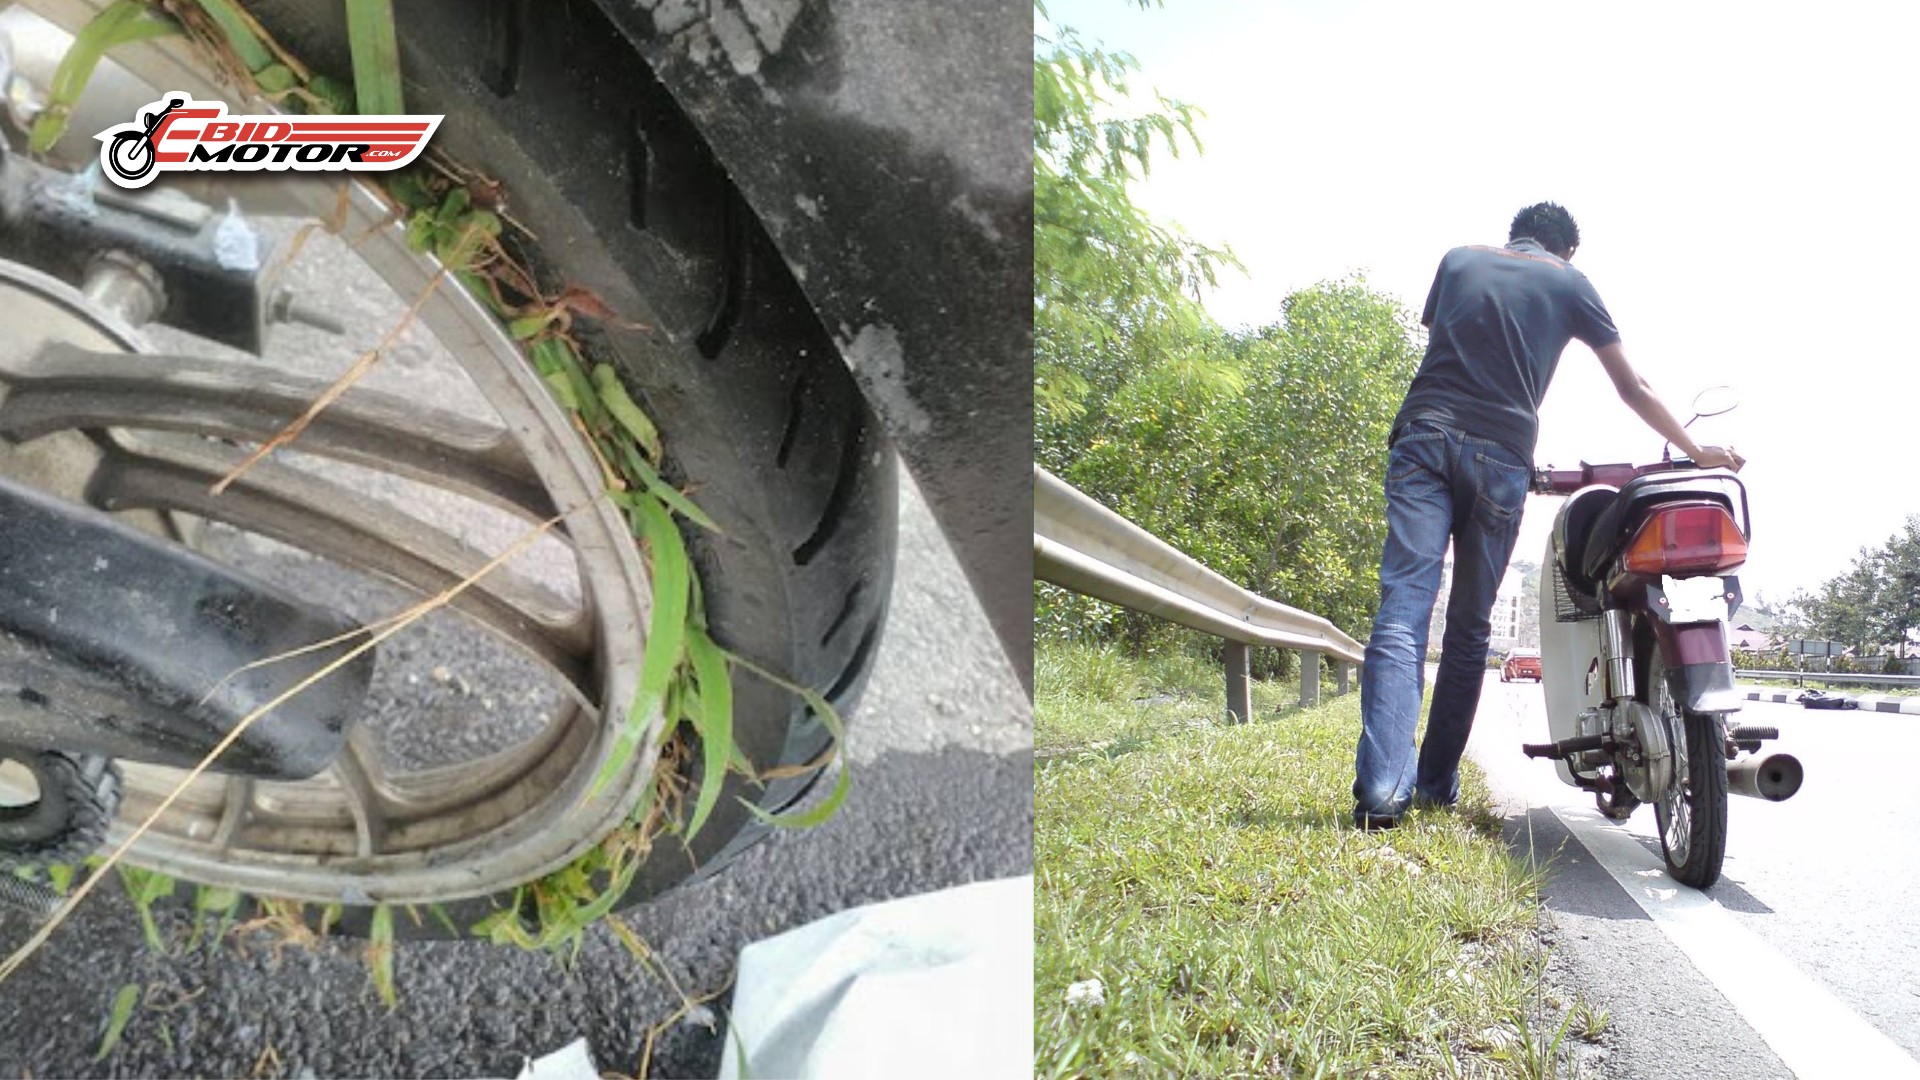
(1081,545)
(1831,677)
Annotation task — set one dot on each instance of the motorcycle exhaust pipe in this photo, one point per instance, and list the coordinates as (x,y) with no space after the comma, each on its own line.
(1773,777)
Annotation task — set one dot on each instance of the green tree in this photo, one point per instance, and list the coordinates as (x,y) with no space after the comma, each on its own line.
(1897,607)
(1259,453)
(1275,482)
(1845,608)
(1113,291)
(1876,602)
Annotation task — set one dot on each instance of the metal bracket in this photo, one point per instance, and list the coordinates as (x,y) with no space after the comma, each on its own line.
(118,643)
(206,266)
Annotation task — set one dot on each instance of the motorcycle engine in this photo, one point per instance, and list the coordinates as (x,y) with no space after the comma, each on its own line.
(1645,761)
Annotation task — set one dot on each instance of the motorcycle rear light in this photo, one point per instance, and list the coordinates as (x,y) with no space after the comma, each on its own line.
(1695,538)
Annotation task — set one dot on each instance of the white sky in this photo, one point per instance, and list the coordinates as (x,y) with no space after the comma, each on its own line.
(1743,176)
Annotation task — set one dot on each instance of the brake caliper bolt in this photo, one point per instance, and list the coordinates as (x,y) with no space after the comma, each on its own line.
(285,307)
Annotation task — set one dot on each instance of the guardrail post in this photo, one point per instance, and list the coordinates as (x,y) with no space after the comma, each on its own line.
(1309,679)
(1239,690)
(1340,678)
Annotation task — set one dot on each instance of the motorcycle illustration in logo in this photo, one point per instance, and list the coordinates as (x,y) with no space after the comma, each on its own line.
(179,134)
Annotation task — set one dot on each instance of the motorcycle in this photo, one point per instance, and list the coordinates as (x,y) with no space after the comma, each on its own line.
(1634,650)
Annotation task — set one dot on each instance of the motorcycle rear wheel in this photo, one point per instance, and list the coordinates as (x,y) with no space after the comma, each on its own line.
(1692,813)
(758,412)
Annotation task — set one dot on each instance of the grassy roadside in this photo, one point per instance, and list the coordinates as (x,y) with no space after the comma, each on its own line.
(1208,878)
(1098,699)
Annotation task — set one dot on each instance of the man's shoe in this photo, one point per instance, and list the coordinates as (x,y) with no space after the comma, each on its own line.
(1373,822)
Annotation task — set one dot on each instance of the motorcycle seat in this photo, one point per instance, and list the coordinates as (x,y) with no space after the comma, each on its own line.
(1576,528)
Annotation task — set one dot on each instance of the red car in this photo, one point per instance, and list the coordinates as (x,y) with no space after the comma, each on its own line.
(1521,664)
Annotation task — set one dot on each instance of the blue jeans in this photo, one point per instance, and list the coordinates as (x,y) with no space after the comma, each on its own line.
(1440,485)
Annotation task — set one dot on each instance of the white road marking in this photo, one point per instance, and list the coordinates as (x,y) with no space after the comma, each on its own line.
(1814,1033)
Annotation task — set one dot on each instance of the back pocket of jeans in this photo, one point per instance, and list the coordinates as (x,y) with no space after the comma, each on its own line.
(1502,490)
(1410,454)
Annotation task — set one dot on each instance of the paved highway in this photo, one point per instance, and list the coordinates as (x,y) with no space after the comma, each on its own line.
(1801,961)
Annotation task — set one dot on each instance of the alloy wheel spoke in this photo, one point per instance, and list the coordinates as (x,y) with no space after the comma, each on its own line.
(233,816)
(323,518)
(65,388)
(357,770)
(412,796)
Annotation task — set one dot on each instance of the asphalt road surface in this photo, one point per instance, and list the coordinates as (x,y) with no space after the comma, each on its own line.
(941,748)
(1801,961)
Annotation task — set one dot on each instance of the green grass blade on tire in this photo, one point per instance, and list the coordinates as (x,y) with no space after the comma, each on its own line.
(238,31)
(643,474)
(666,627)
(807,819)
(614,396)
(376,56)
(119,23)
(829,716)
(713,721)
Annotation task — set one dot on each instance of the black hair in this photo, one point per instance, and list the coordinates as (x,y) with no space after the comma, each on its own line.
(1549,224)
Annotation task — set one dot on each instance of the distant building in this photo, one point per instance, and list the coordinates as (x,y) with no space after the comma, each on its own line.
(1509,619)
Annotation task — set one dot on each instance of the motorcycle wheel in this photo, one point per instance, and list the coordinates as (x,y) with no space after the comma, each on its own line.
(760,417)
(1692,813)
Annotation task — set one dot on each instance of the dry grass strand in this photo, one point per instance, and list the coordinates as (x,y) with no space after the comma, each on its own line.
(332,393)
(408,618)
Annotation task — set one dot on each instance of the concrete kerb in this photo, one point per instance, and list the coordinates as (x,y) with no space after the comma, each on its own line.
(1866,703)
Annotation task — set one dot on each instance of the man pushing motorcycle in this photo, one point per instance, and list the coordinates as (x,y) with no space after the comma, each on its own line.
(1459,461)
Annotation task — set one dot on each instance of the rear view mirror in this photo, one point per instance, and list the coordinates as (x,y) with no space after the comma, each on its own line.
(1715,400)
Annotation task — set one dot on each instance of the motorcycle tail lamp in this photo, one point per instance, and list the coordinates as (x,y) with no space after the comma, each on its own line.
(1692,538)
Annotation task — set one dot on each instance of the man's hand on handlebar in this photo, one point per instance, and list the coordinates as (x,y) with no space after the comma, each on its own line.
(1711,457)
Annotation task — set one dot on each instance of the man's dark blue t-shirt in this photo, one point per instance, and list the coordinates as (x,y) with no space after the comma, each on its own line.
(1497,321)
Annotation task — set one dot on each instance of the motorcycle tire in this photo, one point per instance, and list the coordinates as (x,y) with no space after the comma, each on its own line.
(754,403)
(68,820)
(1705,783)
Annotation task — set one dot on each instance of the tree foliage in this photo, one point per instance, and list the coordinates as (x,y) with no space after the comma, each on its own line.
(1111,287)
(1257,452)
(1875,602)
(1273,479)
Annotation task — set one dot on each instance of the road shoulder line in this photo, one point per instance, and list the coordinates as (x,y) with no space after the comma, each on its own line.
(1813,1031)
